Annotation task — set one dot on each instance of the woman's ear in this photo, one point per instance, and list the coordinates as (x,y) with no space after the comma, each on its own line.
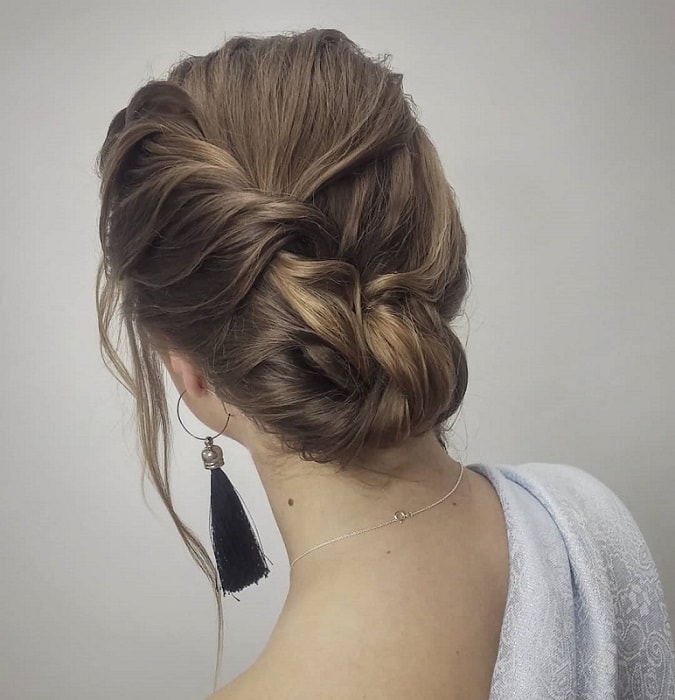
(185,376)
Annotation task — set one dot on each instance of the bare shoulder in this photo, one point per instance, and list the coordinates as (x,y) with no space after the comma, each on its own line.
(249,684)
(300,678)
(244,687)
(277,674)
(271,682)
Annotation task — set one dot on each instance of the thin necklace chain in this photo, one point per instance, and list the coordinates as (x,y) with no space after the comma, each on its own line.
(399,517)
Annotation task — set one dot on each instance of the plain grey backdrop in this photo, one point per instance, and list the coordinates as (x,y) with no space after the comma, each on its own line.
(554,121)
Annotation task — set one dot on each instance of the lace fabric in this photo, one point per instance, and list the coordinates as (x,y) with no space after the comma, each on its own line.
(585,615)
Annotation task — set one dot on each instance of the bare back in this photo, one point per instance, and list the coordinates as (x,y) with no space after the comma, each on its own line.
(423,620)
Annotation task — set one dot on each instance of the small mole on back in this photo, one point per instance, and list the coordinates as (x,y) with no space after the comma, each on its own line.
(290,501)
(389,551)
(454,503)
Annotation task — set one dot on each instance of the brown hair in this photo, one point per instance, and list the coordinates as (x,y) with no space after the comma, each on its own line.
(275,211)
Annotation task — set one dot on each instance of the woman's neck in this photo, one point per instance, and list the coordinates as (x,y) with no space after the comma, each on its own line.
(313,502)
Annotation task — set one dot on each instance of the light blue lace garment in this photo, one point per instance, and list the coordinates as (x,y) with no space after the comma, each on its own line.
(585,615)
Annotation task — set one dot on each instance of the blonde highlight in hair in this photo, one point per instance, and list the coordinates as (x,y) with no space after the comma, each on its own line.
(274,211)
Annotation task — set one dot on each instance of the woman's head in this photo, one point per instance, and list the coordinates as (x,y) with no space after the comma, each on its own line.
(274,212)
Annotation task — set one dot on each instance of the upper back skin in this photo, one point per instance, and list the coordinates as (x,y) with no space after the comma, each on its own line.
(423,621)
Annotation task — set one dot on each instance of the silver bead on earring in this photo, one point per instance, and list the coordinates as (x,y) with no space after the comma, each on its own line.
(212,455)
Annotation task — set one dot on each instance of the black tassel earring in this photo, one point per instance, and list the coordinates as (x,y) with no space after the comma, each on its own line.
(239,557)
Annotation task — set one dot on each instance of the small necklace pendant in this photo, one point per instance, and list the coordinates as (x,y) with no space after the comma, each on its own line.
(401,515)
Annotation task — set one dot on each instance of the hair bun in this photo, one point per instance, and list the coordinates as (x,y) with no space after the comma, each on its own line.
(295,237)
(385,356)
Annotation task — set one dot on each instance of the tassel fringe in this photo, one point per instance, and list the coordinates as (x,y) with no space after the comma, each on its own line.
(240,559)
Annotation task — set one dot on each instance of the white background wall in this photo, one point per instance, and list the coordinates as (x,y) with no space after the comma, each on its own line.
(555,124)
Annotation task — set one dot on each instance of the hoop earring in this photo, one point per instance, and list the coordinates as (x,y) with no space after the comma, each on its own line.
(240,560)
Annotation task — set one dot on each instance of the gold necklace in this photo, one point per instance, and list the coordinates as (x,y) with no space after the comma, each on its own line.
(399,517)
